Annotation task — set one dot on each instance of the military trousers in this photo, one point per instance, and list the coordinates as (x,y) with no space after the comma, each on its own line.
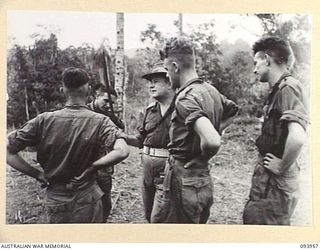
(272,198)
(152,181)
(187,196)
(63,205)
(104,179)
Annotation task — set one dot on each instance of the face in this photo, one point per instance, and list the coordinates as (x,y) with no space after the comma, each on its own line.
(102,101)
(172,74)
(159,87)
(261,69)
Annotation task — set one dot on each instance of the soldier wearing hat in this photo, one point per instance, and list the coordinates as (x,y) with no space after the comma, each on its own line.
(153,137)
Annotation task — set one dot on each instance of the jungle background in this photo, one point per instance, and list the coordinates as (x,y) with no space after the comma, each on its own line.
(34,79)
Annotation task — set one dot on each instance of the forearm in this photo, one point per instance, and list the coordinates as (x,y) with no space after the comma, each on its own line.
(291,153)
(18,163)
(209,138)
(295,140)
(119,153)
(207,151)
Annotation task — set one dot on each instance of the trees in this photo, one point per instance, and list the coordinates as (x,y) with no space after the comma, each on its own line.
(293,30)
(34,77)
(34,72)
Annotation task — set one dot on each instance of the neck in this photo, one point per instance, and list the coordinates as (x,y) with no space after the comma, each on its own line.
(166,100)
(186,76)
(276,74)
(76,100)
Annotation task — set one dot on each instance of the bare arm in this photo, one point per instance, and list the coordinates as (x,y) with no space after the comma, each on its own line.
(209,137)
(119,153)
(18,163)
(295,140)
(209,141)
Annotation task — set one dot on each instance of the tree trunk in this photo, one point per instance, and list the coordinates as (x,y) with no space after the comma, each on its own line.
(180,23)
(120,77)
(26,102)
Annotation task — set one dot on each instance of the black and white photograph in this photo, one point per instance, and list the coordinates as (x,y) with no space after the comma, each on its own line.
(173,118)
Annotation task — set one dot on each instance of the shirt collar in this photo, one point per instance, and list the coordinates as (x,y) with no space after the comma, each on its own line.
(76,106)
(275,88)
(283,76)
(155,108)
(193,80)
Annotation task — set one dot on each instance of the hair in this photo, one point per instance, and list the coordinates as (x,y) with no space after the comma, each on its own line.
(99,88)
(179,48)
(74,78)
(275,47)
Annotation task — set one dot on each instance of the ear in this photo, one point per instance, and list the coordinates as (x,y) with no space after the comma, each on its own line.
(175,67)
(61,89)
(268,59)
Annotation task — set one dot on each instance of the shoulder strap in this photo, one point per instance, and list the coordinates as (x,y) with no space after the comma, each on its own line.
(169,112)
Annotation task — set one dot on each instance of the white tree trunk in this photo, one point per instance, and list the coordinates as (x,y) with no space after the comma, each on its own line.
(120,77)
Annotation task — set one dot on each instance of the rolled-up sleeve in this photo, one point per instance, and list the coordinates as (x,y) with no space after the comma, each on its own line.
(293,108)
(189,109)
(110,133)
(24,137)
(230,108)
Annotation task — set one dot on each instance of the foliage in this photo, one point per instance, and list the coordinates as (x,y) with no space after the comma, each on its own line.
(34,76)
(33,73)
(294,31)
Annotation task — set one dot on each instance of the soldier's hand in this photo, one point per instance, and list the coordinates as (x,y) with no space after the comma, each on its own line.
(272,163)
(84,177)
(42,179)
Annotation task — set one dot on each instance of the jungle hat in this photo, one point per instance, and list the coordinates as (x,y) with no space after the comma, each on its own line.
(158,70)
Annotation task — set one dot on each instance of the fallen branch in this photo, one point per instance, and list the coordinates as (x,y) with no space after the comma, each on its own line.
(28,220)
(115,202)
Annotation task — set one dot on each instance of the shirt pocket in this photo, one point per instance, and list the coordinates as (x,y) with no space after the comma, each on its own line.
(151,122)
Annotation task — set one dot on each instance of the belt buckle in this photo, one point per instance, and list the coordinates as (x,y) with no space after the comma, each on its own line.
(152,151)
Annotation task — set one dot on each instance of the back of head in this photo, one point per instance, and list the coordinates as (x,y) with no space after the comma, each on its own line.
(74,78)
(180,49)
(275,47)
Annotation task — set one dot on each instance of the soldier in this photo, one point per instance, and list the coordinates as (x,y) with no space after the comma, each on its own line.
(68,144)
(154,138)
(274,191)
(101,104)
(194,137)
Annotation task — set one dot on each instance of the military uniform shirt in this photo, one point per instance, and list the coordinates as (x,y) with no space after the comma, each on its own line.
(195,100)
(287,103)
(151,133)
(68,141)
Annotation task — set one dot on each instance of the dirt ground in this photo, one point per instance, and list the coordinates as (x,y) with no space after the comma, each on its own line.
(231,173)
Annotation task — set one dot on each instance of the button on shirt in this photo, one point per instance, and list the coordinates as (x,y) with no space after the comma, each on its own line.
(195,100)
(68,141)
(158,137)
